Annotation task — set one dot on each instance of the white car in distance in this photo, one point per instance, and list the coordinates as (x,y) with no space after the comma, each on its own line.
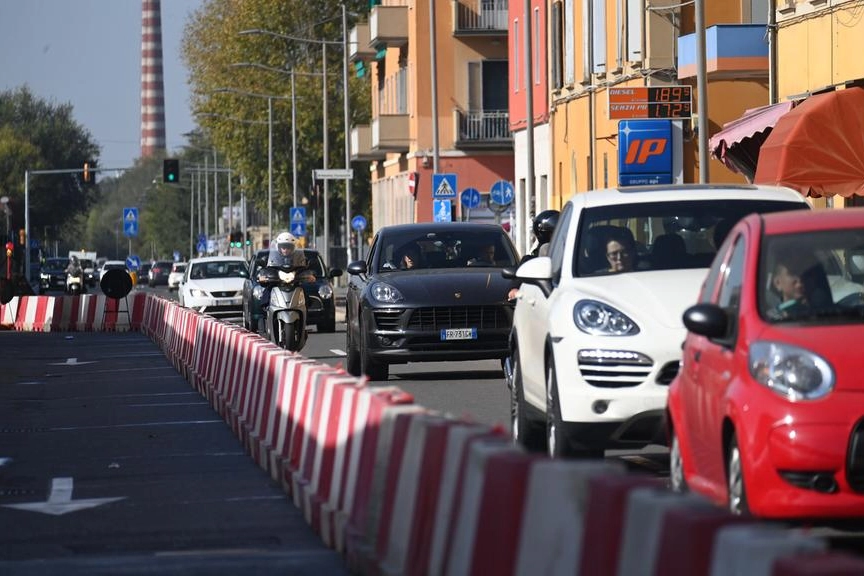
(593,350)
(175,277)
(214,286)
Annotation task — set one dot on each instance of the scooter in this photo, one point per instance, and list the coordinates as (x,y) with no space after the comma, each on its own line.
(75,284)
(286,315)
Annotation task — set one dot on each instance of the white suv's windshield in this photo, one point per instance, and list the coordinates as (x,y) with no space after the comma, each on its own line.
(660,235)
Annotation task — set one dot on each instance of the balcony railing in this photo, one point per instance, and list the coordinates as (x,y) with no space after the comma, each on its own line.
(481,17)
(483,129)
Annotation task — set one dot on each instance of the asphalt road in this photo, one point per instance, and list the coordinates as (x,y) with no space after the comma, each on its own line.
(111,464)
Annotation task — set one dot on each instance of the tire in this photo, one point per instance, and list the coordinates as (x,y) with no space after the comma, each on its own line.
(525,432)
(558,442)
(677,482)
(328,325)
(292,336)
(737,491)
(352,360)
(373,369)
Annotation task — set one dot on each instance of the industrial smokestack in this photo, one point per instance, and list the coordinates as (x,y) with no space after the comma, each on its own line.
(152,85)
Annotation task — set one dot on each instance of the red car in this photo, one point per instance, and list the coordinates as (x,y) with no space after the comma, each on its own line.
(766,415)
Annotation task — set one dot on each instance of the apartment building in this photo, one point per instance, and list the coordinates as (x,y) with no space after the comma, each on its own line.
(469,79)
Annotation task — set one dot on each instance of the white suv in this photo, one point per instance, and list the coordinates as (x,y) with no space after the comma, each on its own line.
(593,349)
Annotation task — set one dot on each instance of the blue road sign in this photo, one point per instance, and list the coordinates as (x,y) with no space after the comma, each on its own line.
(176,255)
(501,193)
(470,198)
(442,211)
(444,185)
(133,263)
(297,215)
(201,246)
(130,222)
(298,229)
(358,223)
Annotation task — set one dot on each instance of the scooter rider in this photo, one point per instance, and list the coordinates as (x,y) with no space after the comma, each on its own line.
(74,270)
(283,253)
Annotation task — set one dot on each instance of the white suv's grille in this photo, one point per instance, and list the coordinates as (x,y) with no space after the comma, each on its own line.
(614,368)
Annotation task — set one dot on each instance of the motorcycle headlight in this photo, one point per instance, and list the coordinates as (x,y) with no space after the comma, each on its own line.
(257,292)
(44,276)
(790,371)
(384,293)
(598,319)
(325,291)
(198,293)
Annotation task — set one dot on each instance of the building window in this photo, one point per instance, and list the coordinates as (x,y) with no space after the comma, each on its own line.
(516,60)
(586,41)
(536,46)
(634,30)
(599,35)
(569,39)
(556,46)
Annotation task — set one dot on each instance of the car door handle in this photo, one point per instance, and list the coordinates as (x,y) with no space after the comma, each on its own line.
(532,301)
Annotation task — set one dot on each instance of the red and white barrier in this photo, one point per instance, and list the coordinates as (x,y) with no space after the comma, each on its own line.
(819,564)
(750,550)
(83,313)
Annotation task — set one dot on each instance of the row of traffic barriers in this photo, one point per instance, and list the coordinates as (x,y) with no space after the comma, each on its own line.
(81,313)
(400,489)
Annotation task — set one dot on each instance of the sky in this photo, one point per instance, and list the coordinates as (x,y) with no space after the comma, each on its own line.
(87,53)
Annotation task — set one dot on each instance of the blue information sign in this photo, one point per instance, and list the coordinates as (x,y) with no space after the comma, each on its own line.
(358,223)
(444,185)
(501,193)
(130,222)
(442,211)
(470,198)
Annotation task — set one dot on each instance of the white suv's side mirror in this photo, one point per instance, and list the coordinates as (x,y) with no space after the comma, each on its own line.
(539,268)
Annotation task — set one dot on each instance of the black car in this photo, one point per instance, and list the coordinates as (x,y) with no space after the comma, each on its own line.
(429,292)
(52,275)
(317,284)
(158,275)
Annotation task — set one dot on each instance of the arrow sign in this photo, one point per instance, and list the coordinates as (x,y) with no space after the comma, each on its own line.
(60,500)
(444,185)
(358,223)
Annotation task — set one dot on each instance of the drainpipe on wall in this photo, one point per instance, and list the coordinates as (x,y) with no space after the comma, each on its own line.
(591,124)
(772,51)
(529,115)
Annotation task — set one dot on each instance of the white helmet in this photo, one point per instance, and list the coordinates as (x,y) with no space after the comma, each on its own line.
(285,240)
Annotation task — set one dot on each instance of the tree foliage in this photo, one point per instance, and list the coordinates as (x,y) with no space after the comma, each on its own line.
(37,135)
(238,124)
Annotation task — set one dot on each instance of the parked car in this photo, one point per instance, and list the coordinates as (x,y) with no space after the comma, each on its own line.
(214,285)
(52,274)
(176,275)
(159,273)
(425,293)
(111,265)
(597,329)
(317,286)
(765,415)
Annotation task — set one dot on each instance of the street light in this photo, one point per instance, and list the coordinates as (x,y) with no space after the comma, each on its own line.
(270,99)
(324,43)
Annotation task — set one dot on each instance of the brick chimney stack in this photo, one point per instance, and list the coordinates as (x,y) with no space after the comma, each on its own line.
(152,85)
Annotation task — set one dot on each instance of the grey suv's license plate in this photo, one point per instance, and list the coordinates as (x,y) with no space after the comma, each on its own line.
(459,334)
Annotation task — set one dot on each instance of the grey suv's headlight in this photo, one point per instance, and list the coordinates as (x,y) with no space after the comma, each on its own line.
(384,293)
(598,319)
(325,291)
(790,371)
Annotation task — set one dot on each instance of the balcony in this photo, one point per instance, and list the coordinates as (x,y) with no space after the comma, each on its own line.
(361,145)
(483,129)
(359,47)
(731,51)
(480,18)
(388,26)
(390,133)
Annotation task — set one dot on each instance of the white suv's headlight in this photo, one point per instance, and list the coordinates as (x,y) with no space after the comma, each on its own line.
(598,319)
(790,371)
(197,293)
(384,293)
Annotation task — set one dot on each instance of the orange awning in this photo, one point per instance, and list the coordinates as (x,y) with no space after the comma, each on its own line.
(818,146)
(737,144)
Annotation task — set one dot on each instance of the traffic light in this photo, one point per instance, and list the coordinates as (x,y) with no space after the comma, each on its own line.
(171,170)
(248,239)
(87,174)
(236,239)
(22,237)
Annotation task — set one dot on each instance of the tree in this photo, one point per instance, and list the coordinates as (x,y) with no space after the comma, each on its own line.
(36,135)
(237,124)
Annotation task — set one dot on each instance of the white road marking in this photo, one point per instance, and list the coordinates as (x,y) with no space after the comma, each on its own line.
(4,461)
(338,352)
(143,425)
(60,500)
(71,362)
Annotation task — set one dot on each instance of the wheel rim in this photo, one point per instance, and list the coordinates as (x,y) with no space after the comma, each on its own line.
(676,467)
(551,424)
(736,481)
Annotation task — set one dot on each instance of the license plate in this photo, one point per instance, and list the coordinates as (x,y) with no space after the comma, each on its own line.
(459,334)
